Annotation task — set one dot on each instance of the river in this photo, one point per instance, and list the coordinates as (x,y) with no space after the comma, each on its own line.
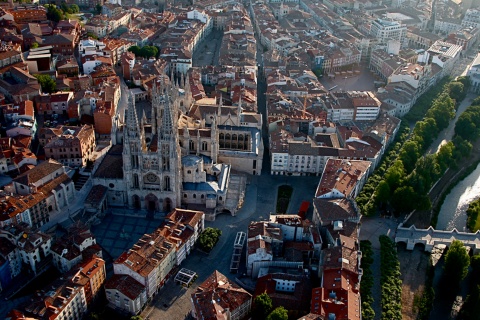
(453,212)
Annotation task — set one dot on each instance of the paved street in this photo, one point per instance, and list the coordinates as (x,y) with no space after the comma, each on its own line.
(371,229)
(208,51)
(447,134)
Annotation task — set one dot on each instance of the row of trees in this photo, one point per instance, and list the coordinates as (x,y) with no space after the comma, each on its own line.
(471,309)
(367,280)
(365,199)
(390,280)
(411,174)
(146,51)
(468,124)
(263,309)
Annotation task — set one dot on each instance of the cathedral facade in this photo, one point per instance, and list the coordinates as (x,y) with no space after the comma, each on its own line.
(151,154)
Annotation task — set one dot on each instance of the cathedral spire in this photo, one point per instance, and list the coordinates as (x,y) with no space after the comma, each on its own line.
(167,126)
(132,118)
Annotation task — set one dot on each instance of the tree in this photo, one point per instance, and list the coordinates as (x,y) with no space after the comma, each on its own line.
(465,81)
(279,313)
(382,193)
(466,127)
(425,131)
(54,14)
(34,45)
(135,50)
(445,156)
(409,155)
(394,175)
(47,83)
(209,238)
(262,306)
(149,51)
(462,148)
(92,35)
(74,8)
(456,90)
(457,262)
(136,318)
(403,199)
(98,8)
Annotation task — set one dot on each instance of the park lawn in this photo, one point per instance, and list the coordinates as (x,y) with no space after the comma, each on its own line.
(283,198)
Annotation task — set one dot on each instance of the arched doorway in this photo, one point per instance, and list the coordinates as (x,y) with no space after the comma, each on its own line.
(136,202)
(151,202)
(167,205)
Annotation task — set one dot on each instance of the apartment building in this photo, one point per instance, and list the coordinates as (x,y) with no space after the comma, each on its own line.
(385,30)
(73,146)
(218,295)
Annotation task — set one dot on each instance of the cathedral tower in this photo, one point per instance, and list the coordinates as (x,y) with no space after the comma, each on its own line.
(152,161)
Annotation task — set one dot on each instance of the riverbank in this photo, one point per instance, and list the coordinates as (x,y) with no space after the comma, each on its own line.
(426,218)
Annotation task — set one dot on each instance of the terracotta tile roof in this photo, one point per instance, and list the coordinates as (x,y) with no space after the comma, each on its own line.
(43,169)
(342,176)
(216,294)
(186,217)
(331,210)
(126,285)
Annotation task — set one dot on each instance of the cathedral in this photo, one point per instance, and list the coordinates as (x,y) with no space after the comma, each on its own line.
(176,153)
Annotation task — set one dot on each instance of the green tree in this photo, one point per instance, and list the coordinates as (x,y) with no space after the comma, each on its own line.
(54,14)
(442,110)
(135,50)
(136,318)
(394,175)
(262,306)
(425,131)
(209,238)
(92,35)
(465,81)
(382,193)
(409,155)
(65,8)
(457,262)
(47,83)
(462,148)
(279,313)
(98,8)
(466,127)
(149,51)
(456,90)
(445,156)
(74,8)
(403,199)
(34,45)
